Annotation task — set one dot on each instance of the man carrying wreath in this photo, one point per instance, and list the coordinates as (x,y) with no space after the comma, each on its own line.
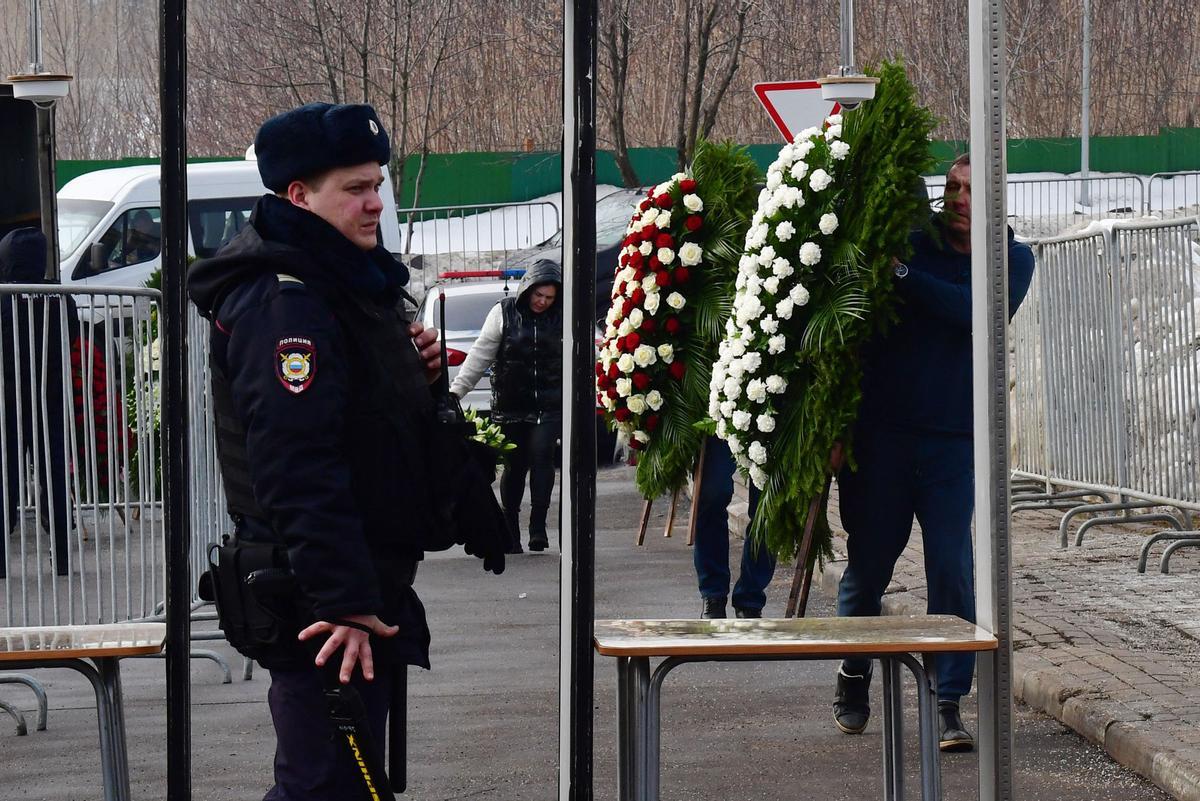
(915,453)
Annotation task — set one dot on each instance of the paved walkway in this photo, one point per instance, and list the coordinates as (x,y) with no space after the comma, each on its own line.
(1112,653)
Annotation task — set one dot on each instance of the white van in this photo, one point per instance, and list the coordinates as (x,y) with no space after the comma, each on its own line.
(109,221)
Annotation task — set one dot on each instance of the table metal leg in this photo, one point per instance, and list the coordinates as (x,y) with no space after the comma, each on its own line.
(640,670)
(625,712)
(110,675)
(893,731)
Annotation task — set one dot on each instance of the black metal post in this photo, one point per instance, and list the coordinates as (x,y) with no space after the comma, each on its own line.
(173,325)
(579,179)
(47,197)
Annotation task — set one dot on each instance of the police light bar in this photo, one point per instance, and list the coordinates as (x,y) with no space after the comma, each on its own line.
(506,273)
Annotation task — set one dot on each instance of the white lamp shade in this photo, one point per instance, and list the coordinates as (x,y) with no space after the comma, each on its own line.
(849,90)
(40,88)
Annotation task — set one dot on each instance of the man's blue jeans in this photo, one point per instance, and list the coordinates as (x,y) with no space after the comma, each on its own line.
(904,474)
(711,551)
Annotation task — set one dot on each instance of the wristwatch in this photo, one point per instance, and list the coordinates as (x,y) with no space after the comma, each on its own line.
(900,270)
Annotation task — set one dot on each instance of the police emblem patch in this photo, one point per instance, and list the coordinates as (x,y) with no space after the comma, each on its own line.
(296,363)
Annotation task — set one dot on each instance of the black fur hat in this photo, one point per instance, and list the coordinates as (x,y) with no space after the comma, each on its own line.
(309,140)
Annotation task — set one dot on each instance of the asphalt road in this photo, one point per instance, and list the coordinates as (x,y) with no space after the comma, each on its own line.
(484,721)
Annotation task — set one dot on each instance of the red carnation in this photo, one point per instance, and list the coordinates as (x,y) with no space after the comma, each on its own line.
(621,344)
(681,275)
(676,369)
(687,186)
(693,222)
(664,241)
(622,414)
(636,299)
(648,324)
(663,278)
(613,372)
(650,423)
(633,340)
(641,381)
(672,325)
(663,201)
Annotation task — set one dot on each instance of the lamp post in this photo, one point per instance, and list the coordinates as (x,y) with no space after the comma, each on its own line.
(1085,112)
(848,87)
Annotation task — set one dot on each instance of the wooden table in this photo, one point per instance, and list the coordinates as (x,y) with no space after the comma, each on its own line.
(894,640)
(95,651)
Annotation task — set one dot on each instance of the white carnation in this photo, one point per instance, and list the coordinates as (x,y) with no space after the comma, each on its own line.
(810,253)
(693,203)
(735,369)
(766,255)
(774,179)
(644,355)
(758,476)
(625,363)
(834,119)
(783,309)
(735,444)
(765,423)
(828,223)
(803,149)
(756,390)
(722,429)
(839,150)
(807,133)
(799,295)
(676,301)
(737,347)
(732,388)
(752,361)
(781,268)
(833,132)
(636,404)
(666,353)
(795,198)
(771,285)
(727,408)
(690,254)
(776,384)
(769,325)
(654,400)
(624,386)
(757,453)
(799,170)
(714,406)
(665,255)
(784,231)
(776,344)
(741,420)
(819,180)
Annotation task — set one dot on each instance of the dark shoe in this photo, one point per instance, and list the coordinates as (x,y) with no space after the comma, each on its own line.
(713,608)
(746,613)
(954,735)
(538,541)
(512,521)
(852,703)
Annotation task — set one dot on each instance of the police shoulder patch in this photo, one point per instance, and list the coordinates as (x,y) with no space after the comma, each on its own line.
(296,363)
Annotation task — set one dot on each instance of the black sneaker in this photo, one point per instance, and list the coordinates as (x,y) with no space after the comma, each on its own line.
(713,608)
(746,613)
(852,703)
(954,735)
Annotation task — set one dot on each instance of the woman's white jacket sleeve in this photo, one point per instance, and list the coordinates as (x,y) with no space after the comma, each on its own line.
(482,353)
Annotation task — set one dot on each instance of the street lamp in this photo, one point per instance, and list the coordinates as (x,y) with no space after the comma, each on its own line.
(848,87)
(36,85)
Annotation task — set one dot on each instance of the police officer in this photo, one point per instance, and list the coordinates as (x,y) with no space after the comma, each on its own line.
(323,411)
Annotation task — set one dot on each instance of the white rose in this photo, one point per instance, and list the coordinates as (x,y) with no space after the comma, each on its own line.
(828,223)
(612,316)
(783,309)
(757,453)
(839,150)
(654,400)
(693,203)
(758,476)
(769,325)
(771,285)
(799,170)
(664,219)
(676,301)
(776,384)
(625,363)
(666,353)
(784,231)
(624,328)
(636,404)
(819,180)
(644,355)
(690,254)
(774,179)
(756,390)
(649,284)
(799,295)
(641,436)
(636,318)
(665,255)
(810,253)
(741,420)
(624,386)
(679,176)
(776,344)
(645,248)
(732,388)
(765,423)
(727,408)
(608,402)
(651,302)
(650,215)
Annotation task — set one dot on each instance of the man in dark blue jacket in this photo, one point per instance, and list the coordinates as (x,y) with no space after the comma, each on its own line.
(324,417)
(914,450)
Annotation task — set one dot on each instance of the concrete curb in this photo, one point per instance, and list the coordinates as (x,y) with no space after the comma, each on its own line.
(1124,734)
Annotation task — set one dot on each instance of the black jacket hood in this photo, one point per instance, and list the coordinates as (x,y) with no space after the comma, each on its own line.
(542,272)
(282,238)
(23,257)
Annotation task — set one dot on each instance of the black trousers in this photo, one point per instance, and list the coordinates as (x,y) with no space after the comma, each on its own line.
(535,456)
(44,445)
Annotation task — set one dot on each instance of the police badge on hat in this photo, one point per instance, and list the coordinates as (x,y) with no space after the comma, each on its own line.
(296,363)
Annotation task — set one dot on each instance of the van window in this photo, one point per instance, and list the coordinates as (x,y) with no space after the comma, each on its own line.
(215,222)
(76,219)
(133,238)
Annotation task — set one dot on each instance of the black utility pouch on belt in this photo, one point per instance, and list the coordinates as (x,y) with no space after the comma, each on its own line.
(251,622)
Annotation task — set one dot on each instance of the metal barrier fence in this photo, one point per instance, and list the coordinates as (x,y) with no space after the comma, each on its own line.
(1173,194)
(83,537)
(1044,207)
(475,237)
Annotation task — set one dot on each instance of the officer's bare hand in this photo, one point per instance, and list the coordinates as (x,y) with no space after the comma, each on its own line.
(837,457)
(426,340)
(356,641)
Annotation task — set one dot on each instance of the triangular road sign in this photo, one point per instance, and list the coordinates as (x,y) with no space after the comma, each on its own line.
(795,105)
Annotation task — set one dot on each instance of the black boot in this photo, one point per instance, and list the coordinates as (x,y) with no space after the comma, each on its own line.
(954,735)
(713,608)
(538,541)
(746,612)
(852,703)
(512,519)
